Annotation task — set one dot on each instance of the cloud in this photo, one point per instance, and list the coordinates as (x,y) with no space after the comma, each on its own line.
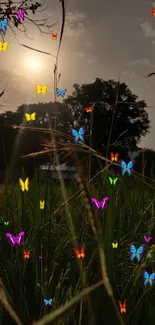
(148,30)
(75,23)
(145,62)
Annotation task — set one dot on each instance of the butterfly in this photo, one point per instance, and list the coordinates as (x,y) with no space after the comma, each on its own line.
(136,253)
(6,223)
(113,181)
(102,204)
(40,257)
(27,254)
(122,307)
(4,46)
(147,239)
(80,254)
(3,25)
(148,279)
(15,240)
(48,302)
(78,135)
(40,89)
(24,186)
(61,92)
(114,245)
(30,116)
(42,203)
(54,36)
(126,167)
(89,109)
(20,14)
(114,157)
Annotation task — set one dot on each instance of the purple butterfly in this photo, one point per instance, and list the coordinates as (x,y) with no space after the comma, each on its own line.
(147,239)
(40,257)
(102,204)
(15,240)
(20,15)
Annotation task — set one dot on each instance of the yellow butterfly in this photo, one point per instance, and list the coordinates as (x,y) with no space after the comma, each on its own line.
(30,116)
(4,46)
(114,245)
(40,89)
(24,186)
(42,203)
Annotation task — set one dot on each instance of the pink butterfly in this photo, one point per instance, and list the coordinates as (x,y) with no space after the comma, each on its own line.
(147,239)
(15,240)
(102,204)
(40,257)
(20,15)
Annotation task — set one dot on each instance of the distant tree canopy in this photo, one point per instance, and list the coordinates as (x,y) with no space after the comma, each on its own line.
(129,117)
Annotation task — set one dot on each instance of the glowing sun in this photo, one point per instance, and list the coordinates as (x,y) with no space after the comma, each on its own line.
(34,64)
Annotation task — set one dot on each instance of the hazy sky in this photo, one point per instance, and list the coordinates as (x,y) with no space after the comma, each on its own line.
(102,39)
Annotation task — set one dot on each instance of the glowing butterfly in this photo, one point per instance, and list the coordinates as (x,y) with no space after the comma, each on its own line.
(40,257)
(30,117)
(122,307)
(6,223)
(148,279)
(42,203)
(78,135)
(60,92)
(126,168)
(15,240)
(40,89)
(24,186)
(3,25)
(102,204)
(113,181)
(114,245)
(4,46)
(147,239)
(114,157)
(89,109)
(54,36)
(27,254)
(48,302)
(20,15)
(136,252)
(80,253)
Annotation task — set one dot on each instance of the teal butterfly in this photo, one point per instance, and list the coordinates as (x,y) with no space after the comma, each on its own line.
(113,181)
(6,223)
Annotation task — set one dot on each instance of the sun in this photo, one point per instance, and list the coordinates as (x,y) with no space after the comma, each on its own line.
(34,64)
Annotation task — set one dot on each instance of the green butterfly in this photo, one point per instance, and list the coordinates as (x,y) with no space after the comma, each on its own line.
(113,181)
(6,223)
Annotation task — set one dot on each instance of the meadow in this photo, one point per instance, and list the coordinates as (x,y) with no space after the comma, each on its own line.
(86,290)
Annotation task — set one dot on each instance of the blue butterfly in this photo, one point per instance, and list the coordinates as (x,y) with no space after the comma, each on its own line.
(3,25)
(78,135)
(148,278)
(48,302)
(126,167)
(61,92)
(136,252)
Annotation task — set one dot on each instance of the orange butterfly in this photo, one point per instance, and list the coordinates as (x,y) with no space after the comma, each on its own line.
(122,307)
(54,36)
(114,157)
(80,254)
(88,109)
(27,254)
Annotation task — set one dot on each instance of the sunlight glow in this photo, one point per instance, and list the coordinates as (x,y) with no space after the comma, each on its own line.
(34,64)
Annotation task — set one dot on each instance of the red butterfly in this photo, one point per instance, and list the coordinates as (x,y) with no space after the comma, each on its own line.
(27,254)
(89,109)
(54,36)
(114,157)
(122,307)
(80,254)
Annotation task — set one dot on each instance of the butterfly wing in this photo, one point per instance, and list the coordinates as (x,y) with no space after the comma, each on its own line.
(104,202)
(146,277)
(1,46)
(46,302)
(111,180)
(78,255)
(124,167)
(20,238)
(21,184)
(129,167)
(5,46)
(75,135)
(50,301)
(27,116)
(38,89)
(3,25)
(58,92)
(115,180)
(82,252)
(81,133)
(152,278)
(63,92)
(44,89)
(96,203)
(112,156)
(11,239)
(116,156)
(33,116)
(133,252)
(27,184)
(140,250)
